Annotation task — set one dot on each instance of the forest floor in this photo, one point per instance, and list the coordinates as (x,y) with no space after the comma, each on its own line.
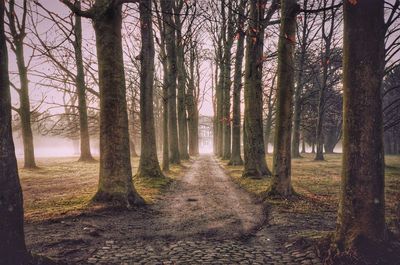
(204,213)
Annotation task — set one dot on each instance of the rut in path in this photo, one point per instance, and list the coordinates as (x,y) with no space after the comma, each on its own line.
(207,202)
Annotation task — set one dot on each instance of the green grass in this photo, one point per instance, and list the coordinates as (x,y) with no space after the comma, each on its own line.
(63,186)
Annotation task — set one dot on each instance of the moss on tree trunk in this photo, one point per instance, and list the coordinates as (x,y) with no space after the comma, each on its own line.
(170,35)
(361,215)
(281,173)
(115,183)
(255,165)
(236,158)
(148,164)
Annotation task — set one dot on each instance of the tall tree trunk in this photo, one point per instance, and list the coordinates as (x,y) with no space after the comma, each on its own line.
(85,153)
(361,215)
(215,108)
(281,173)
(17,30)
(182,118)
(327,38)
(25,108)
(226,90)
(193,117)
(299,87)
(236,158)
(219,95)
(165,163)
(115,184)
(12,243)
(319,136)
(169,27)
(148,164)
(255,165)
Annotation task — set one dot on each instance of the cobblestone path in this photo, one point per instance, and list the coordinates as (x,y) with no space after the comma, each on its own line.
(205,219)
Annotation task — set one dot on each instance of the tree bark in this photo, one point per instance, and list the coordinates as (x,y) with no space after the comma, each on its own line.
(227,83)
(255,165)
(25,107)
(115,183)
(169,27)
(303,145)
(12,243)
(17,30)
(192,107)
(281,176)
(85,153)
(299,88)
(181,106)
(236,158)
(361,215)
(148,164)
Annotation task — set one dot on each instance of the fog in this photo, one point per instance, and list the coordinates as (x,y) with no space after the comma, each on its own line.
(52,146)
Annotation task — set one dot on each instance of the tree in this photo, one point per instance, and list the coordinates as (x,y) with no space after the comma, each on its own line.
(12,243)
(236,158)
(361,215)
(181,78)
(307,32)
(115,180)
(281,171)
(169,27)
(148,165)
(18,32)
(86,154)
(192,99)
(255,165)
(326,57)
(228,39)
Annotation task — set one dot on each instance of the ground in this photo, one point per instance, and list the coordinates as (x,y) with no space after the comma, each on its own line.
(207,214)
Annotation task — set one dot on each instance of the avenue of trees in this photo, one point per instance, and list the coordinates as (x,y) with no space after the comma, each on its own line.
(301,76)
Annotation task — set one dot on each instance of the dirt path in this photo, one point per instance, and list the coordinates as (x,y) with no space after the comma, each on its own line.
(207,202)
(203,219)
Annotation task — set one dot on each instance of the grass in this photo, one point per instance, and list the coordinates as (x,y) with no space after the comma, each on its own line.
(63,186)
(318,184)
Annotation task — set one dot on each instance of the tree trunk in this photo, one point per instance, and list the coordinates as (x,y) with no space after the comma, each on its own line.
(281,176)
(226,90)
(169,27)
(219,95)
(193,113)
(182,118)
(361,215)
(85,153)
(236,158)
(148,164)
(115,184)
(267,131)
(25,107)
(299,88)
(331,139)
(165,163)
(255,165)
(303,145)
(12,243)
